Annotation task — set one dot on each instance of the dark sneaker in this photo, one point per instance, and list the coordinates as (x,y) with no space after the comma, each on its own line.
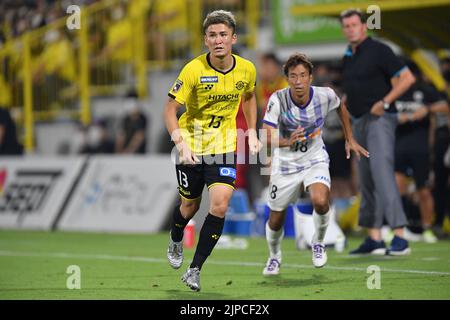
(398,247)
(370,246)
(192,278)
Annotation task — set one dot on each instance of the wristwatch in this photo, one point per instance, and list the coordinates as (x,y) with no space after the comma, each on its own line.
(386,105)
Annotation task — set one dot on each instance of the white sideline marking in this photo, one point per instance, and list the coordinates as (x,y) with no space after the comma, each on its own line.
(430,259)
(216,262)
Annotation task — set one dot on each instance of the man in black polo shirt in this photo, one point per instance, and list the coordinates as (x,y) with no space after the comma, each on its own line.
(412,150)
(9,145)
(373,78)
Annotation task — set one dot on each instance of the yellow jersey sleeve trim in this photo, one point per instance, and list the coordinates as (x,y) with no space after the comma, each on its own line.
(175,98)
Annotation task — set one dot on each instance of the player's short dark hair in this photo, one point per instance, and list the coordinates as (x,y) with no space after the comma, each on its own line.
(220,17)
(270,56)
(296,59)
(352,12)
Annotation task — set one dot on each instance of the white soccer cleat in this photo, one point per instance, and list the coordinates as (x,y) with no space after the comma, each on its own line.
(192,278)
(272,267)
(319,255)
(175,254)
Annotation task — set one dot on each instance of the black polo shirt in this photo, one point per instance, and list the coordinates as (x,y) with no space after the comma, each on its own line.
(420,94)
(367,75)
(10,144)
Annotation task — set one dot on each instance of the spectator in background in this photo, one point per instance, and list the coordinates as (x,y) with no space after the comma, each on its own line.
(119,37)
(97,140)
(169,29)
(132,137)
(118,50)
(55,66)
(5,88)
(9,145)
(441,143)
(340,168)
(412,151)
(5,92)
(445,69)
(270,79)
(373,78)
(342,185)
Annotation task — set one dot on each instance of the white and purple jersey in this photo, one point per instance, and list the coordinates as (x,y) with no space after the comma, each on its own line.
(283,113)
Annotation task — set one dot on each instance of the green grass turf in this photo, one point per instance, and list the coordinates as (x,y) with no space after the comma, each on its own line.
(121,266)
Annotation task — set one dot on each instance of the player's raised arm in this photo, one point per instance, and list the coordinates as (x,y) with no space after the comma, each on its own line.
(350,142)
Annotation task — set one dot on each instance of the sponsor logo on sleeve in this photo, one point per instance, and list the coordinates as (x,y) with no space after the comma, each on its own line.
(177,86)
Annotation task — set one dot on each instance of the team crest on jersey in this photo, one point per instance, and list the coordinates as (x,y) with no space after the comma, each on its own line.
(176,87)
(212,79)
(240,85)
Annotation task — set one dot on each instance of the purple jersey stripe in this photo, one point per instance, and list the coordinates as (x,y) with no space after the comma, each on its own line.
(318,112)
(270,123)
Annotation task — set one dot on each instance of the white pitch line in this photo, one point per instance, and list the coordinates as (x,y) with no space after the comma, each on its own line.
(431,259)
(66,255)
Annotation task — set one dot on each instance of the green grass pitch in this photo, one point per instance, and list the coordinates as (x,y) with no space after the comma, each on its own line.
(33,265)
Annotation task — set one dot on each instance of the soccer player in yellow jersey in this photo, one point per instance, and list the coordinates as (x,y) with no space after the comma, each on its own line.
(211,87)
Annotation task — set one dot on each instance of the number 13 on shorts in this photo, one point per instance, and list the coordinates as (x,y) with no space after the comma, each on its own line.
(183,179)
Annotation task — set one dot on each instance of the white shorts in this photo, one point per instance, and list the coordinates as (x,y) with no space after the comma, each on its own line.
(284,189)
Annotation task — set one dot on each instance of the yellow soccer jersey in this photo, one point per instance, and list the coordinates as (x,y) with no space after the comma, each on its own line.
(212,101)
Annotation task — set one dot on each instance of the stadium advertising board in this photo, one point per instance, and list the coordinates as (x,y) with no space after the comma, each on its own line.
(33,190)
(123,194)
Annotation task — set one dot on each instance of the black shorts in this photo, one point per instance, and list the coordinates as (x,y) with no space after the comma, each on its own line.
(412,159)
(213,170)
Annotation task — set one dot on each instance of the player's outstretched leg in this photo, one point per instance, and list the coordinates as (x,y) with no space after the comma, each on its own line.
(274,243)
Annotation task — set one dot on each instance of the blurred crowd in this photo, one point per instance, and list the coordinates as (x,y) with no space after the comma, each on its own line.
(19,16)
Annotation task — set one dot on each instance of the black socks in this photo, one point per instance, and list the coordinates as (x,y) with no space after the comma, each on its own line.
(209,235)
(178,224)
